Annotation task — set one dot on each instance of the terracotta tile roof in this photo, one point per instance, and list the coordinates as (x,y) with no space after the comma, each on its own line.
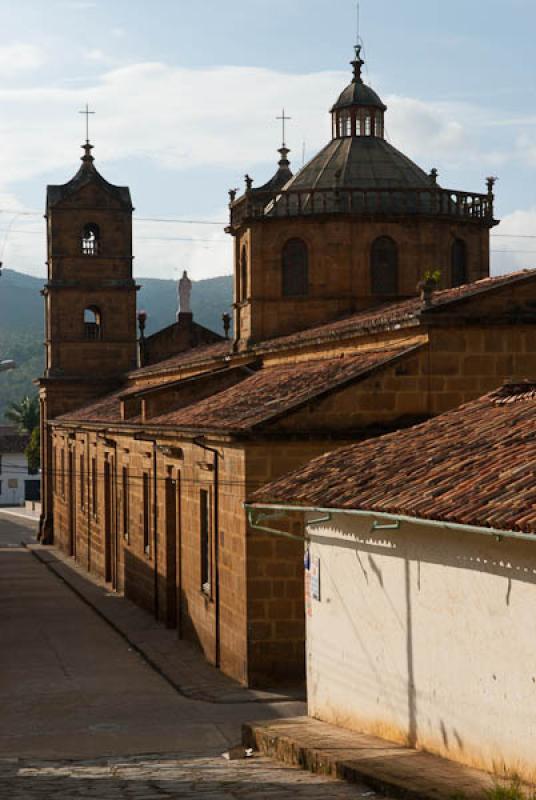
(260,397)
(384,316)
(105,409)
(276,390)
(193,356)
(11,440)
(475,465)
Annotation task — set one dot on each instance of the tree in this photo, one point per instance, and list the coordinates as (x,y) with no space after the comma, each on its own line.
(33,451)
(25,414)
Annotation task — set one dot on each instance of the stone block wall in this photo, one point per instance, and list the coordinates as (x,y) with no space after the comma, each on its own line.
(339,266)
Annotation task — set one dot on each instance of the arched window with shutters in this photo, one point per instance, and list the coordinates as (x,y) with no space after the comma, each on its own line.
(243,275)
(90,242)
(92,323)
(458,270)
(384,266)
(295,269)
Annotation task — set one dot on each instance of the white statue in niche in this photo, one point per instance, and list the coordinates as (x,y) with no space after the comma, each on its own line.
(184,291)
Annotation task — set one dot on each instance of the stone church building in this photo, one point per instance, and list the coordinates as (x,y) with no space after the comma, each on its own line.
(152,445)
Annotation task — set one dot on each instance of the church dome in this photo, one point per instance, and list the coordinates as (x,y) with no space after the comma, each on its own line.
(358,94)
(366,162)
(358,157)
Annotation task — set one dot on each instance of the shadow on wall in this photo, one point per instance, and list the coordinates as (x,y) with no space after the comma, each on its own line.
(512,560)
(140,588)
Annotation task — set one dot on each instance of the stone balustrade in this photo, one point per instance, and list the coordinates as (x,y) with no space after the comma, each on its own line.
(431,201)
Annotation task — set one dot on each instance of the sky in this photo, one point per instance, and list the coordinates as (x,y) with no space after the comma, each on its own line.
(186,95)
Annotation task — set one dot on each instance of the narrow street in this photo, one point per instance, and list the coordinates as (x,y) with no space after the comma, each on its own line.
(85,716)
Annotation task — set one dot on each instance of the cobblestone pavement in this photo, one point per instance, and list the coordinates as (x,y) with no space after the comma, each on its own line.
(157,777)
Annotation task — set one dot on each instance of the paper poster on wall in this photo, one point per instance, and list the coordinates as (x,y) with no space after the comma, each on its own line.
(315,578)
(307,582)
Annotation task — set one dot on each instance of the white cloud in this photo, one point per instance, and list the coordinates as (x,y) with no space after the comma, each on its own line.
(185,119)
(514,242)
(98,56)
(20,57)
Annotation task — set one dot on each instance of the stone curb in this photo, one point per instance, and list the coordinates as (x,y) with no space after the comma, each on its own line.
(202,681)
(387,767)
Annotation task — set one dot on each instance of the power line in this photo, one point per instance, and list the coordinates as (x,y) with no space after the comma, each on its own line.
(177,221)
(136,219)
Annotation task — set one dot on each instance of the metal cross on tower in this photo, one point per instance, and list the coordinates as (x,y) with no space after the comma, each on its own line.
(283,119)
(87,112)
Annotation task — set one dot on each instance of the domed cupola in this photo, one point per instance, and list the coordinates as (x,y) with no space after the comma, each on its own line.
(358,111)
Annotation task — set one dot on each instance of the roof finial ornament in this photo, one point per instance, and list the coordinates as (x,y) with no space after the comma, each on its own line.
(283,119)
(283,150)
(358,62)
(87,158)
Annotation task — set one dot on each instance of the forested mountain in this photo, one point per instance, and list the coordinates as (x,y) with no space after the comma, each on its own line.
(21,321)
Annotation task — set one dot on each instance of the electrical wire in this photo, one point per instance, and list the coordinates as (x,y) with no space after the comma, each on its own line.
(136,219)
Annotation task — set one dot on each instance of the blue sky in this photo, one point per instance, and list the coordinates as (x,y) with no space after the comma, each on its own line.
(186,94)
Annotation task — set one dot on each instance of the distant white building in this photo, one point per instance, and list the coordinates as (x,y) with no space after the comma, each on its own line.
(16,482)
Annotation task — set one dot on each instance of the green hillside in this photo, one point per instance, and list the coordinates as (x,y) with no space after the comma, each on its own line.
(21,321)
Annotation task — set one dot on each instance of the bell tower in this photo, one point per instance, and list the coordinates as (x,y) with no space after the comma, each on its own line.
(90,299)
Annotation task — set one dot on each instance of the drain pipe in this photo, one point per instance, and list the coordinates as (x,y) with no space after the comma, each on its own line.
(274,511)
(155,529)
(200,443)
(149,440)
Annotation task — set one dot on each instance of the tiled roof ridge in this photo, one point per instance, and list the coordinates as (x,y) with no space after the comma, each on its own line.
(514,392)
(364,321)
(473,465)
(388,314)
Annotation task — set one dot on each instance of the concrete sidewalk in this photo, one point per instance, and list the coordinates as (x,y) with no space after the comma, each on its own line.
(179,661)
(386,766)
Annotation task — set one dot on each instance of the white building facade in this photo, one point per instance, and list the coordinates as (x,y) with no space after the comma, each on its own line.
(14,473)
(425,636)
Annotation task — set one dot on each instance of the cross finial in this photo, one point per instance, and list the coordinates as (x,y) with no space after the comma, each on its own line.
(87,113)
(283,119)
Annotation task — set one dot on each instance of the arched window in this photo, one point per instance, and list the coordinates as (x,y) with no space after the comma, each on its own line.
(458,265)
(378,125)
(243,275)
(295,269)
(92,323)
(368,124)
(384,266)
(90,239)
(345,123)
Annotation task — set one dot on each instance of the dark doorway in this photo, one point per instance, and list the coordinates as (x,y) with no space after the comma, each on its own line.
(108,522)
(171,552)
(72,506)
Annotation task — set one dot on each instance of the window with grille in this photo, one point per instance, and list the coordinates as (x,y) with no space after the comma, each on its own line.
(90,242)
(62,468)
(205,516)
(126,501)
(82,484)
(244,274)
(384,266)
(295,269)
(94,487)
(92,323)
(146,513)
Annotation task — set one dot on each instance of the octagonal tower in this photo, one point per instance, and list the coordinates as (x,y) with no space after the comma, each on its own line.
(359,225)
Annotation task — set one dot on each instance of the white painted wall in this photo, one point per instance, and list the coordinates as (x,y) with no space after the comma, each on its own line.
(14,470)
(427,637)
